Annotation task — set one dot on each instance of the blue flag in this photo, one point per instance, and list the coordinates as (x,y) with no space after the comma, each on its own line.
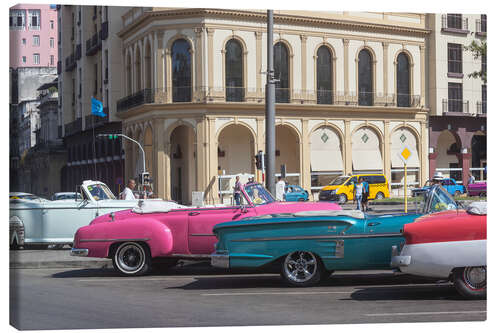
(97,108)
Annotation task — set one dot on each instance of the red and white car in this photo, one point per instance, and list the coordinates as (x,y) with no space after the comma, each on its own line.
(448,244)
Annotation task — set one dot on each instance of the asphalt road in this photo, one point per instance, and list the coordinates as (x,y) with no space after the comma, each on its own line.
(194,296)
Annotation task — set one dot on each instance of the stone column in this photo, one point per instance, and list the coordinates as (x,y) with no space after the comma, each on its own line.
(199,54)
(385,46)
(432,161)
(210,57)
(303,58)
(258,50)
(423,77)
(346,70)
(159,149)
(211,193)
(305,166)
(465,160)
(348,148)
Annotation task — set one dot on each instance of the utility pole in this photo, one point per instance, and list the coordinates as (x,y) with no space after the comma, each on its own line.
(270,160)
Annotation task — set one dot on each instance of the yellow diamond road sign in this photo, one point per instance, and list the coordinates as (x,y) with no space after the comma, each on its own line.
(405,154)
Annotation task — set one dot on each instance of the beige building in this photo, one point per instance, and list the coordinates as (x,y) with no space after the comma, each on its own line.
(351,95)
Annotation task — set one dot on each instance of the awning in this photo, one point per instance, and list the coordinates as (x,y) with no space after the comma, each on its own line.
(367,160)
(397,162)
(326,160)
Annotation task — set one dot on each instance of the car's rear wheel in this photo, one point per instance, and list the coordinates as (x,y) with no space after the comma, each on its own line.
(470,282)
(302,269)
(342,198)
(132,259)
(482,194)
(379,195)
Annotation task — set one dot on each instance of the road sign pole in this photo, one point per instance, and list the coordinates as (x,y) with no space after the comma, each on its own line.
(406,197)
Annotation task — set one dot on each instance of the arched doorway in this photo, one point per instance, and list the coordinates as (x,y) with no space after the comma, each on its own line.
(327,160)
(403,138)
(288,153)
(478,158)
(236,150)
(182,164)
(448,149)
(366,151)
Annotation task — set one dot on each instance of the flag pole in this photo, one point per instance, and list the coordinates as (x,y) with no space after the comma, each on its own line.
(93,139)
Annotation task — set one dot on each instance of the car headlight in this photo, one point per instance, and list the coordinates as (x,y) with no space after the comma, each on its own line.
(335,191)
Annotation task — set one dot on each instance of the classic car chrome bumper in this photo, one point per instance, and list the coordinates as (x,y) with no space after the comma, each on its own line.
(220,259)
(397,260)
(79,252)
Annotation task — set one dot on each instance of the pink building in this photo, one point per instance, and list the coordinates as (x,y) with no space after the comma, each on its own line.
(33,36)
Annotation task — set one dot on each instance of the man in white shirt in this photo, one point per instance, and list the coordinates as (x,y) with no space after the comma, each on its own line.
(280,189)
(128,193)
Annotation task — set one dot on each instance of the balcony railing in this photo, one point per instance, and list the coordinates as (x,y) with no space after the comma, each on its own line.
(454,24)
(481,27)
(92,121)
(73,127)
(455,105)
(93,44)
(481,108)
(104,30)
(249,95)
(70,63)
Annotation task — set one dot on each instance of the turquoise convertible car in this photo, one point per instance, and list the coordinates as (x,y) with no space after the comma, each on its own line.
(307,247)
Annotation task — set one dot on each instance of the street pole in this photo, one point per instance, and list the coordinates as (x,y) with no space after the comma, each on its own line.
(140,147)
(270,160)
(406,197)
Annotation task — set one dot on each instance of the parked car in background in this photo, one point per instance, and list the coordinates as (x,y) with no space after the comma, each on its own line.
(295,193)
(24,196)
(341,189)
(449,184)
(306,247)
(44,222)
(66,196)
(477,189)
(449,245)
(166,232)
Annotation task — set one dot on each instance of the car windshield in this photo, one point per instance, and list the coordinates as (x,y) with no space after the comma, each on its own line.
(258,194)
(433,200)
(100,192)
(339,180)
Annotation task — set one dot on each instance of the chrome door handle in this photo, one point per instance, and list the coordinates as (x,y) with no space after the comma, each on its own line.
(194,213)
(371,224)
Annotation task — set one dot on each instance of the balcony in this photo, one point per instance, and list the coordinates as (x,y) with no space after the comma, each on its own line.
(104,30)
(455,107)
(481,108)
(457,25)
(481,28)
(70,63)
(73,127)
(252,95)
(92,121)
(93,45)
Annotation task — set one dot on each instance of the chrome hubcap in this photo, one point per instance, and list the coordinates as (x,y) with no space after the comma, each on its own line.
(300,266)
(131,258)
(475,277)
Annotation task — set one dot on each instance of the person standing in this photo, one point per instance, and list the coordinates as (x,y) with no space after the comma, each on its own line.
(237,191)
(128,193)
(366,193)
(358,191)
(280,189)
(472,179)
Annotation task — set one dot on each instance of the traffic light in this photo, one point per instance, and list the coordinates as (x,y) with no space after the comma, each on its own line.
(258,162)
(112,136)
(145,178)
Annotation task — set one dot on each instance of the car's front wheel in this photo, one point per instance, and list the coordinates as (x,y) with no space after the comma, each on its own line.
(470,282)
(342,198)
(457,193)
(302,269)
(132,259)
(379,195)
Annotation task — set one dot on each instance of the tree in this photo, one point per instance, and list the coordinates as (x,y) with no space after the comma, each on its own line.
(478,51)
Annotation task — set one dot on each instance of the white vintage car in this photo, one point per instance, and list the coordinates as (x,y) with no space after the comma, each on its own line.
(37,221)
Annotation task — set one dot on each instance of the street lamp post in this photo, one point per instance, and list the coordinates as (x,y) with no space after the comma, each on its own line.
(270,157)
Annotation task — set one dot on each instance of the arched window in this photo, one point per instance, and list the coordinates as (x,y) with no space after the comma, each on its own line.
(138,72)
(365,78)
(234,71)
(324,76)
(181,71)
(403,80)
(281,72)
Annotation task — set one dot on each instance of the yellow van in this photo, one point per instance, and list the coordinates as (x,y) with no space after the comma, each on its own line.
(341,189)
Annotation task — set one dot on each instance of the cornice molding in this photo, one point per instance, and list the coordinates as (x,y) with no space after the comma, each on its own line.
(278,18)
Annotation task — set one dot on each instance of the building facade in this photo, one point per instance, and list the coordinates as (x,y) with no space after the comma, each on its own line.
(351,95)
(90,66)
(457,123)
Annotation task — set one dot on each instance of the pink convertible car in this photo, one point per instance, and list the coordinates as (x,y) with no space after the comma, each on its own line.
(164,232)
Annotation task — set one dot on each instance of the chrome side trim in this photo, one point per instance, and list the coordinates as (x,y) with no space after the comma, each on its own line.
(202,235)
(114,240)
(352,236)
